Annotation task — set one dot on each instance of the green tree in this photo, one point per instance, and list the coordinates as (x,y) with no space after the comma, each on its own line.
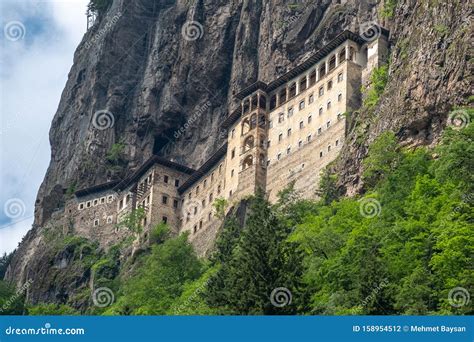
(160,280)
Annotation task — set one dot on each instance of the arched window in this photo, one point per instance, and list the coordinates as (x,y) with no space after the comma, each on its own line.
(342,55)
(254,102)
(262,102)
(273,101)
(302,84)
(351,53)
(332,62)
(253,121)
(312,78)
(246,106)
(282,96)
(249,143)
(248,161)
(292,90)
(245,126)
(322,71)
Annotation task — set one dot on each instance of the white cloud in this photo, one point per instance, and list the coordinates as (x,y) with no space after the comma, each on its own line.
(32,79)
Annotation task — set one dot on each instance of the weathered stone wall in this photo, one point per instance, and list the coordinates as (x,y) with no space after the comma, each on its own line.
(197,210)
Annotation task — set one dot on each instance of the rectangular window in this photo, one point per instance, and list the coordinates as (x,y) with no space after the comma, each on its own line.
(340,77)
(281,117)
(328,124)
(195,210)
(210,197)
(165,179)
(319,131)
(329,105)
(96,222)
(232,173)
(195,229)
(330,85)
(290,112)
(278,156)
(175,203)
(300,143)
(311,98)
(321,111)
(302,84)
(321,154)
(232,155)
(309,138)
(204,183)
(200,224)
(268,143)
(339,116)
(301,125)
(164,199)
(288,150)
(209,216)
(310,118)
(339,98)
(329,148)
(270,124)
(233,133)
(203,203)
(302,105)
(197,190)
(289,132)
(337,142)
(280,137)
(165,220)
(321,91)
(176,182)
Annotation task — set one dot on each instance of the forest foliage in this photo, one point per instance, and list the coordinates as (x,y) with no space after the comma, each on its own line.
(404,247)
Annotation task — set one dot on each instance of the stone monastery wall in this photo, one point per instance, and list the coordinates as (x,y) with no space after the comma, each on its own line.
(286,131)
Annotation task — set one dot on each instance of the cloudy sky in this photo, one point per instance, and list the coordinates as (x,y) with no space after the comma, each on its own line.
(36,52)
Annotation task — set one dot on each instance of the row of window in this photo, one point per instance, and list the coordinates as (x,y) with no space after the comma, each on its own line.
(300,144)
(306,81)
(204,183)
(96,202)
(200,224)
(301,126)
(108,220)
(281,116)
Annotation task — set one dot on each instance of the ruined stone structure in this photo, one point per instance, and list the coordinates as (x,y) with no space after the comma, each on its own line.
(285,131)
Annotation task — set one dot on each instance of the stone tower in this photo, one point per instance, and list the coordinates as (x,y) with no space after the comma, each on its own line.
(253,139)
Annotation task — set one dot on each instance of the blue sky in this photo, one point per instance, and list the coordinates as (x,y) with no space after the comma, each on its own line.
(37,45)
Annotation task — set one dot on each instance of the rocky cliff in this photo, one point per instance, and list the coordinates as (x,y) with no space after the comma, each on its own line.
(146,68)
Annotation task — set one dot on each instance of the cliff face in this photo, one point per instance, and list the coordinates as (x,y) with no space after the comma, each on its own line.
(146,68)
